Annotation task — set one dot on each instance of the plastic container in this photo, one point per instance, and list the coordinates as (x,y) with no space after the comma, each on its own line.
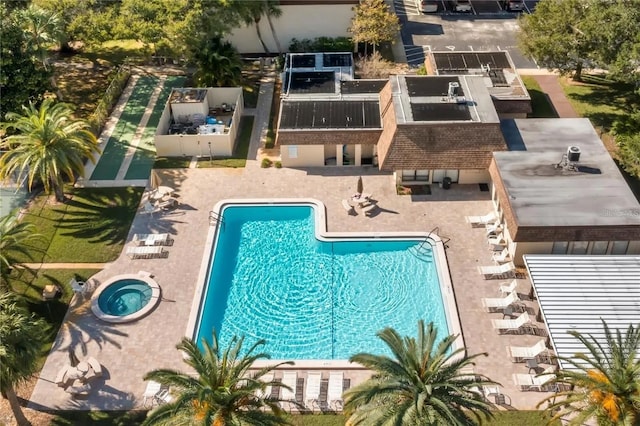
(446,183)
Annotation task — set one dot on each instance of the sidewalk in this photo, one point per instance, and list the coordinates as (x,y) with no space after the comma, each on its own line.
(66,265)
(551,86)
(261,115)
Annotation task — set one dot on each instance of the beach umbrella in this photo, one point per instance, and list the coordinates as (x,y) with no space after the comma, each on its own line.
(73,359)
(154,180)
(359,188)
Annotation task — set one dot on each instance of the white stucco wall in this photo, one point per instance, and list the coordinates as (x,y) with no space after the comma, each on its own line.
(307,156)
(474,176)
(299,21)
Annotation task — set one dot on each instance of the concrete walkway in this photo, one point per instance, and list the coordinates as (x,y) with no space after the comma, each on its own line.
(551,86)
(66,265)
(261,116)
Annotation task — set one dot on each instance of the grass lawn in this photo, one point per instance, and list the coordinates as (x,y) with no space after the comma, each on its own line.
(528,418)
(540,103)
(92,226)
(172,163)
(239,158)
(601,100)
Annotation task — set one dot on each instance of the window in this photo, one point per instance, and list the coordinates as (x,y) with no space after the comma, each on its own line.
(579,247)
(620,247)
(560,247)
(599,247)
(415,175)
(293,151)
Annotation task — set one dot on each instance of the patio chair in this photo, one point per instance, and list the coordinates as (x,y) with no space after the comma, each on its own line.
(493,304)
(62,379)
(150,392)
(506,270)
(522,353)
(148,208)
(334,392)
(77,286)
(479,221)
(512,325)
(312,390)
(497,241)
(502,257)
(348,208)
(368,210)
(535,382)
(163,396)
(167,204)
(146,252)
(288,394)
(266,392)
(508,288)
(493,228)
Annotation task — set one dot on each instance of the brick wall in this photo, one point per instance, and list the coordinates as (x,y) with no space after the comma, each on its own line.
(328,137)
(442,146)
(512,106)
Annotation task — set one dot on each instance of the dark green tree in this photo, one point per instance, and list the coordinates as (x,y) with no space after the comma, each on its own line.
(603,382)
(424,383)
(22,80)
(374,23)
(217,62)
(14,239)
(21,338)
(48,146)
(223,392)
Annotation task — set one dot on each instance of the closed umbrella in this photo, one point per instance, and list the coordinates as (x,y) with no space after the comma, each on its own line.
(359,187)
(154,180)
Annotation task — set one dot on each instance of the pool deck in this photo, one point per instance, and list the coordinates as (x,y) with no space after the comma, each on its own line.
(128,351)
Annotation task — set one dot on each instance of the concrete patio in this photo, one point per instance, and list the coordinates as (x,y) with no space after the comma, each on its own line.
(128,351)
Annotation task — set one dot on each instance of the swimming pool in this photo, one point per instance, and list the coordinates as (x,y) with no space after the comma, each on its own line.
(272,274)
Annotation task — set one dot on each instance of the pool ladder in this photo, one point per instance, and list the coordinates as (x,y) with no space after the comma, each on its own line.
(434,231)
(215,218)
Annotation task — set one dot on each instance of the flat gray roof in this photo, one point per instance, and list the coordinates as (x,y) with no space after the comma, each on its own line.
(542,194)
(408,91)
(575,292)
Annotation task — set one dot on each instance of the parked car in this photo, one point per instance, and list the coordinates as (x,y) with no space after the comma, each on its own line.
(463,6)
(513,5)
(428,6)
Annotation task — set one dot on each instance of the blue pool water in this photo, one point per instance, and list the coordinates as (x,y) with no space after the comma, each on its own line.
(310,299)
(124,297)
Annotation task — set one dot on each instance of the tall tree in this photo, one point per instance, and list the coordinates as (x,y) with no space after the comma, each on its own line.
(557,35)
(218,63)
(273,11)
(48,146)
(41,28)
(21,338)
(252,12)
(423,384)
(603,382)
(374,23)
(21,79)
(222,392)
(14,239)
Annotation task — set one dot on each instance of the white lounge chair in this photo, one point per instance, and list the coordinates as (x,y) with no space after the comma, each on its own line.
(502,257)
(152,239)
(506,270)
(522,353)
(493,228)
(497,241)
(150,392)
(288,395)
(166,204)
(528,382)
(478,221)
(266,392)
(511,325)
(508,288)
(334,392)
(493,304)
(348,207)
(368,210)
(146,252)
(312,390)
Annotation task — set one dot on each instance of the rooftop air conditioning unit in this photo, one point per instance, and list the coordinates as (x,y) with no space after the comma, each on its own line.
(453,89)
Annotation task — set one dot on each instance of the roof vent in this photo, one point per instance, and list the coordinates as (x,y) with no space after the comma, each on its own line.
(453,89)
(573,154)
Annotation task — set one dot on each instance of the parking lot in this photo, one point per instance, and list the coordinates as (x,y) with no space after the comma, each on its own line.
(478,7)
(457,31)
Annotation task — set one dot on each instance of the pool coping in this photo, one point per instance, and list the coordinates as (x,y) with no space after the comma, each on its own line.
(321,233)
(114,319)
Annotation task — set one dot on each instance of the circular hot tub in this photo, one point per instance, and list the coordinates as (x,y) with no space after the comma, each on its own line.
(125,298)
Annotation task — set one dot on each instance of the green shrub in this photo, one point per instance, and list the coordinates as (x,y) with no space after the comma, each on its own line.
(109,99)
(278,164)
(266,163)
(321,44)
(422,70)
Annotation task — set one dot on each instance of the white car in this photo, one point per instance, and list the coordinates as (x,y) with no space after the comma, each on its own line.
(463,6)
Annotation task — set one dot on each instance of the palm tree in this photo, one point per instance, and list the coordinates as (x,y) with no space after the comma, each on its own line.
(21,339)
(252,12)
(423,384)
(218,63)
(273,11)
(602,384)
(49,146)
(41,28)
(14,237)
(222,392)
